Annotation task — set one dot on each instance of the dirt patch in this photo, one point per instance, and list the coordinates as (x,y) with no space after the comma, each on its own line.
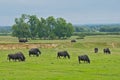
(26,46)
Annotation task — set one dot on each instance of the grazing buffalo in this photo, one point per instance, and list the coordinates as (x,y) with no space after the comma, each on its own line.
(107,51)
(17,56)
(63,54)
(73,40)
(84,58)
(34,51)
(96,50)
(23,40)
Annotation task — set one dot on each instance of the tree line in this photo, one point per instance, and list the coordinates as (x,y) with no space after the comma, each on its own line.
(98,28)
(30,26)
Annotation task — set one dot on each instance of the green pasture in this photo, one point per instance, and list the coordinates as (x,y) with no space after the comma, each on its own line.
(48,67)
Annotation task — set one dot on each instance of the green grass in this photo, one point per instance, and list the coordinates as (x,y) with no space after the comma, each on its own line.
(48,67)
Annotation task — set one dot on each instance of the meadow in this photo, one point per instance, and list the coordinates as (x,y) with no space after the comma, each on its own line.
(48,67)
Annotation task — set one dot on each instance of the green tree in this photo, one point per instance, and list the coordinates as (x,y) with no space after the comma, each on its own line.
(33,24)
(42,29)
(69,30)
(20,28)
(49,28)
(63,29)
(51,24)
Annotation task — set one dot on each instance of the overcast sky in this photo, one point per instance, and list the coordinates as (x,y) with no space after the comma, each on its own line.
(74,11)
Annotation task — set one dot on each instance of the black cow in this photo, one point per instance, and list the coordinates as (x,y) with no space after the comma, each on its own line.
(21,55)
(107,51)
(63,54)
(17,56)
(34,51)
(23,40)
(96,50)
(84,58)
(73,40)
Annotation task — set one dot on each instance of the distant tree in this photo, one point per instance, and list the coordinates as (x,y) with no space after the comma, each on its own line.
(33,24)
(69,30)
(63,29)
(20,28)
(5,29)
(49,28)
(42,29)
(110,29)
(51,25)
(60,28)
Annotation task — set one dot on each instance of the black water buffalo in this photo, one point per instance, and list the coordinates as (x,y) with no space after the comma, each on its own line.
(16,56)
(63,54)
(34,51)
(84,58)
(23,40)
(73,40)
(106,51)
(96,50)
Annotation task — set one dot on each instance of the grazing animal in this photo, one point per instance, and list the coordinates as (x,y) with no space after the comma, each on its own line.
(16,56)
(96,50)
(84,58)
(34,51)
(73,40)
(63,54)
(23,40)
(21,56)
(106,51)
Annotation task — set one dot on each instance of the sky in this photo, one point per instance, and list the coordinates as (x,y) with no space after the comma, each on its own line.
(73,11)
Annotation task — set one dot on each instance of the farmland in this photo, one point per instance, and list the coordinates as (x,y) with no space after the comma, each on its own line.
(48,67)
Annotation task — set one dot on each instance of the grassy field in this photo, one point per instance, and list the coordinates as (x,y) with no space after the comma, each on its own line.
(48,67)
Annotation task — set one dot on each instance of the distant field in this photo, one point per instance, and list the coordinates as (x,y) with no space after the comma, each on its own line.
(48,67)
